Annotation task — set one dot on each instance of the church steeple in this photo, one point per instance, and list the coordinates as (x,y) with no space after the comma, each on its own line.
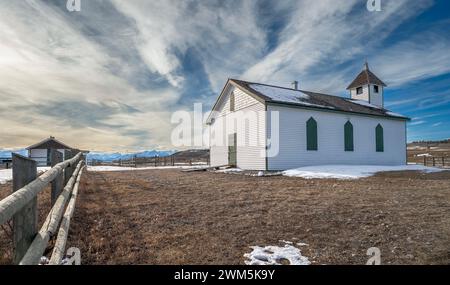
(367,87)
(366,65)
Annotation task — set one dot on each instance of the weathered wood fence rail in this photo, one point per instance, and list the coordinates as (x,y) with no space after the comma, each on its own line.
(155,161)
(29,244)
(435,161)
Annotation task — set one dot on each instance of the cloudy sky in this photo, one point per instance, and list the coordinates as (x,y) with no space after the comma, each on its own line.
(110,76)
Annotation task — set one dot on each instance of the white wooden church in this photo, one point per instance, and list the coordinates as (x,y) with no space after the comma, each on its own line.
(298,128)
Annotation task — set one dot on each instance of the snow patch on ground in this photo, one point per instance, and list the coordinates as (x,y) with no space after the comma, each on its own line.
(351,171)
(6,174)
(120,168)
(275,255)
(229,170)
(424,154)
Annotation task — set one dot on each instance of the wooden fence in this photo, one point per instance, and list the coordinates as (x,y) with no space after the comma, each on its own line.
(435,161)
(21,206)
(155,161)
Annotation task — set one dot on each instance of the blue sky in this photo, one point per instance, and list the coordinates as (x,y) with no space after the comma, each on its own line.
(110,76)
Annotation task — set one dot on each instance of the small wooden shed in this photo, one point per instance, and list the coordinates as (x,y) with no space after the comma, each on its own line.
(41,151)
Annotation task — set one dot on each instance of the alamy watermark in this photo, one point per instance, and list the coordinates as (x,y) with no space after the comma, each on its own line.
(249,128)
(73,5)
(375,256)
(73,256)
(374,5)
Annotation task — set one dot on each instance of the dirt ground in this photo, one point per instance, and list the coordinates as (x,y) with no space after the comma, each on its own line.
(172,217)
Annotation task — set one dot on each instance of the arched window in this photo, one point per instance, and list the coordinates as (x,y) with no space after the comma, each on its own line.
(379,138)
(348,136)
(311,134)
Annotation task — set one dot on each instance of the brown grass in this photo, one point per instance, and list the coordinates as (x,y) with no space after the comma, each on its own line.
(171,217)
(6,250)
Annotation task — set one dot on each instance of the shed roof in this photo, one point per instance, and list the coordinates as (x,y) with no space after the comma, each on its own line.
(49,143)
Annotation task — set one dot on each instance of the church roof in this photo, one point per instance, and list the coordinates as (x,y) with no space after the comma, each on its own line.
(364,78)
(307,99)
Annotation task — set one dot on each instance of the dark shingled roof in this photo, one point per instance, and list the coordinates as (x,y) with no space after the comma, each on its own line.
(49,143)
(364,78)
(307,99)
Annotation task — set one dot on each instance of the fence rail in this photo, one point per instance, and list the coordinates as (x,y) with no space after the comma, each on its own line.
(435,161)
(155,161)
(21,206)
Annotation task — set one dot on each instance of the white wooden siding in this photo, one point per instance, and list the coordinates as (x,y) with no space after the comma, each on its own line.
(39,155)
(251,140)
(375,98)
(363,96)
(292,131)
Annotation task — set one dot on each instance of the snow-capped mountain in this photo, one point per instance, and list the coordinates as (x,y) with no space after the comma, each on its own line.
(108,157)
(7,153)
(101,156)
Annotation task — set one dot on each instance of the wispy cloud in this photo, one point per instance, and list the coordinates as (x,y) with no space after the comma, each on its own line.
(224,35)
(416,123)
(411,60)
(109,77)
(323,35)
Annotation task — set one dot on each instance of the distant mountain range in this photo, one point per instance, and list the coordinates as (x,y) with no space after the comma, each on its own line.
(108,157)
(102,156)
(7,153)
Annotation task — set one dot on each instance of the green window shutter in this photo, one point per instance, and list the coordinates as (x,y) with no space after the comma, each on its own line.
(379,138)
(348,134)
(311,134)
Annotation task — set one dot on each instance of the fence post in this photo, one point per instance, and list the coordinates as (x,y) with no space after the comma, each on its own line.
(434,161)
(25,221)
(443,162)
(68,154)
(156,162)
(57,184)
(424,161)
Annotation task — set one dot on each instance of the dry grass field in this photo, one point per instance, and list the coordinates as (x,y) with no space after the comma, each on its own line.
(173,217)
(424,152)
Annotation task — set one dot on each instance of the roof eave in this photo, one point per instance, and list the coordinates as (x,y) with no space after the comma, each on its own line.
(47,140)
(287,104)
(236,84)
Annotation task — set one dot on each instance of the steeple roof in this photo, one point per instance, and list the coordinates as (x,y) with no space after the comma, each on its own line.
(366,77)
